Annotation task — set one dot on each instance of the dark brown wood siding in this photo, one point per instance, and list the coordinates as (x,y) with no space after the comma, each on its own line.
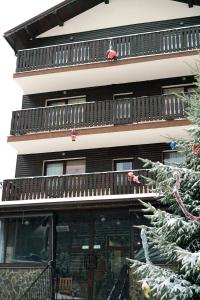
(144,88)
(97,160)
(115,31)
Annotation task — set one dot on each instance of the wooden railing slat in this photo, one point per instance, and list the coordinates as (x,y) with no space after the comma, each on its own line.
(99,113)
(166,41)
(69,186)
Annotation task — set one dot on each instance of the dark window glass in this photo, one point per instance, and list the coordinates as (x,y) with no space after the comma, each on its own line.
(24,239)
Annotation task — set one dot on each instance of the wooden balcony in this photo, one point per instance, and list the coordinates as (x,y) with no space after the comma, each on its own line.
(75,186)
(94,51)
(98,114)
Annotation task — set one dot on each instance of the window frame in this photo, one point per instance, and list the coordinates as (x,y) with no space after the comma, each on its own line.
(64,160)
(185,87)
(51,239)
(169,151)
(66,99)
(123,94)
(115,160)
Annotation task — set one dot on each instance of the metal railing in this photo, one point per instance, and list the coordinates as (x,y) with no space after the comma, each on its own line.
(70,186)
(120,288)
(42,286)
(94,51)
(99,113)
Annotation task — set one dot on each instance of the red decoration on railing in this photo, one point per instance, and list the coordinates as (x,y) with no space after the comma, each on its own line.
(111,54)
(180,201)
(195,149)
(73,135)
(133,178)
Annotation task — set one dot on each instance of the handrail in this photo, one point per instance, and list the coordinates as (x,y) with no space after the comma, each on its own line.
(118,288)
(99,101)
(97,114)
(94,51)
(110,38)
(26,293)
(75,186)
(79,174)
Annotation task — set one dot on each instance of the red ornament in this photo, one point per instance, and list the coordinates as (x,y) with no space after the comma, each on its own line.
(73,135)
(195,149)
(133,178)
(130,176)
(111,54)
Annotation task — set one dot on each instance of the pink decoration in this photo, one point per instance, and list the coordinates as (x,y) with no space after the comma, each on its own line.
(111,54)
(133,178)
(73,135)
(180,202)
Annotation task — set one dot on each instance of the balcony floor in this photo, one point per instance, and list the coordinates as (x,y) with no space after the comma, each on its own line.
(106,73)
(93,138)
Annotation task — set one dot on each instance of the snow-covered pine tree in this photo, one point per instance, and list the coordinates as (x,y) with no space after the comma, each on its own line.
(175,232)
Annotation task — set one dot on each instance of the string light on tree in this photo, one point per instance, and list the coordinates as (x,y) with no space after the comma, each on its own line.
(195,149)
(146,289)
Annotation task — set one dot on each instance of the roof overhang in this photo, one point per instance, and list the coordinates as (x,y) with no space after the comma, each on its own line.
(190,3)
(19,36)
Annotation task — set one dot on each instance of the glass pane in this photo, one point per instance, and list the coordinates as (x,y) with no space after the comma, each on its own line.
(54,168)
(2,241)
(76,100)
(122,96)
(75,166)
(125,165)
(174,158)
(173,90)
(72,239)
(56,102)
(25,239)
(112,238)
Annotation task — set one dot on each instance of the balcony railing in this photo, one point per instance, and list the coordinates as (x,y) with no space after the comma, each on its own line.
(94,51)
(99,113)
(70,186)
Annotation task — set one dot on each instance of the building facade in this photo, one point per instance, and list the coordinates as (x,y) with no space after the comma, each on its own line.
(102,83)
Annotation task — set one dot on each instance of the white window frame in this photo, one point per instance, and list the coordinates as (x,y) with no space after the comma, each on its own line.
(119,159)
(59,160)
(167,151)
(122,94)
(66,98)
(176,86)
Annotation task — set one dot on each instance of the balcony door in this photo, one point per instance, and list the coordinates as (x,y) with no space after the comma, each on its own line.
(62,185)
(91,254)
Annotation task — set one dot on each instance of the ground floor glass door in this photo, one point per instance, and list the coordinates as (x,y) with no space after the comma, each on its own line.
(91,254)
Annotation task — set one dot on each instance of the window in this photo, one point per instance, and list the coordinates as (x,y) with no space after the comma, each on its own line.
(65,101)
(62,167)
(178,89)
(25,239)
(123,95)
(123,165)
(173,158)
